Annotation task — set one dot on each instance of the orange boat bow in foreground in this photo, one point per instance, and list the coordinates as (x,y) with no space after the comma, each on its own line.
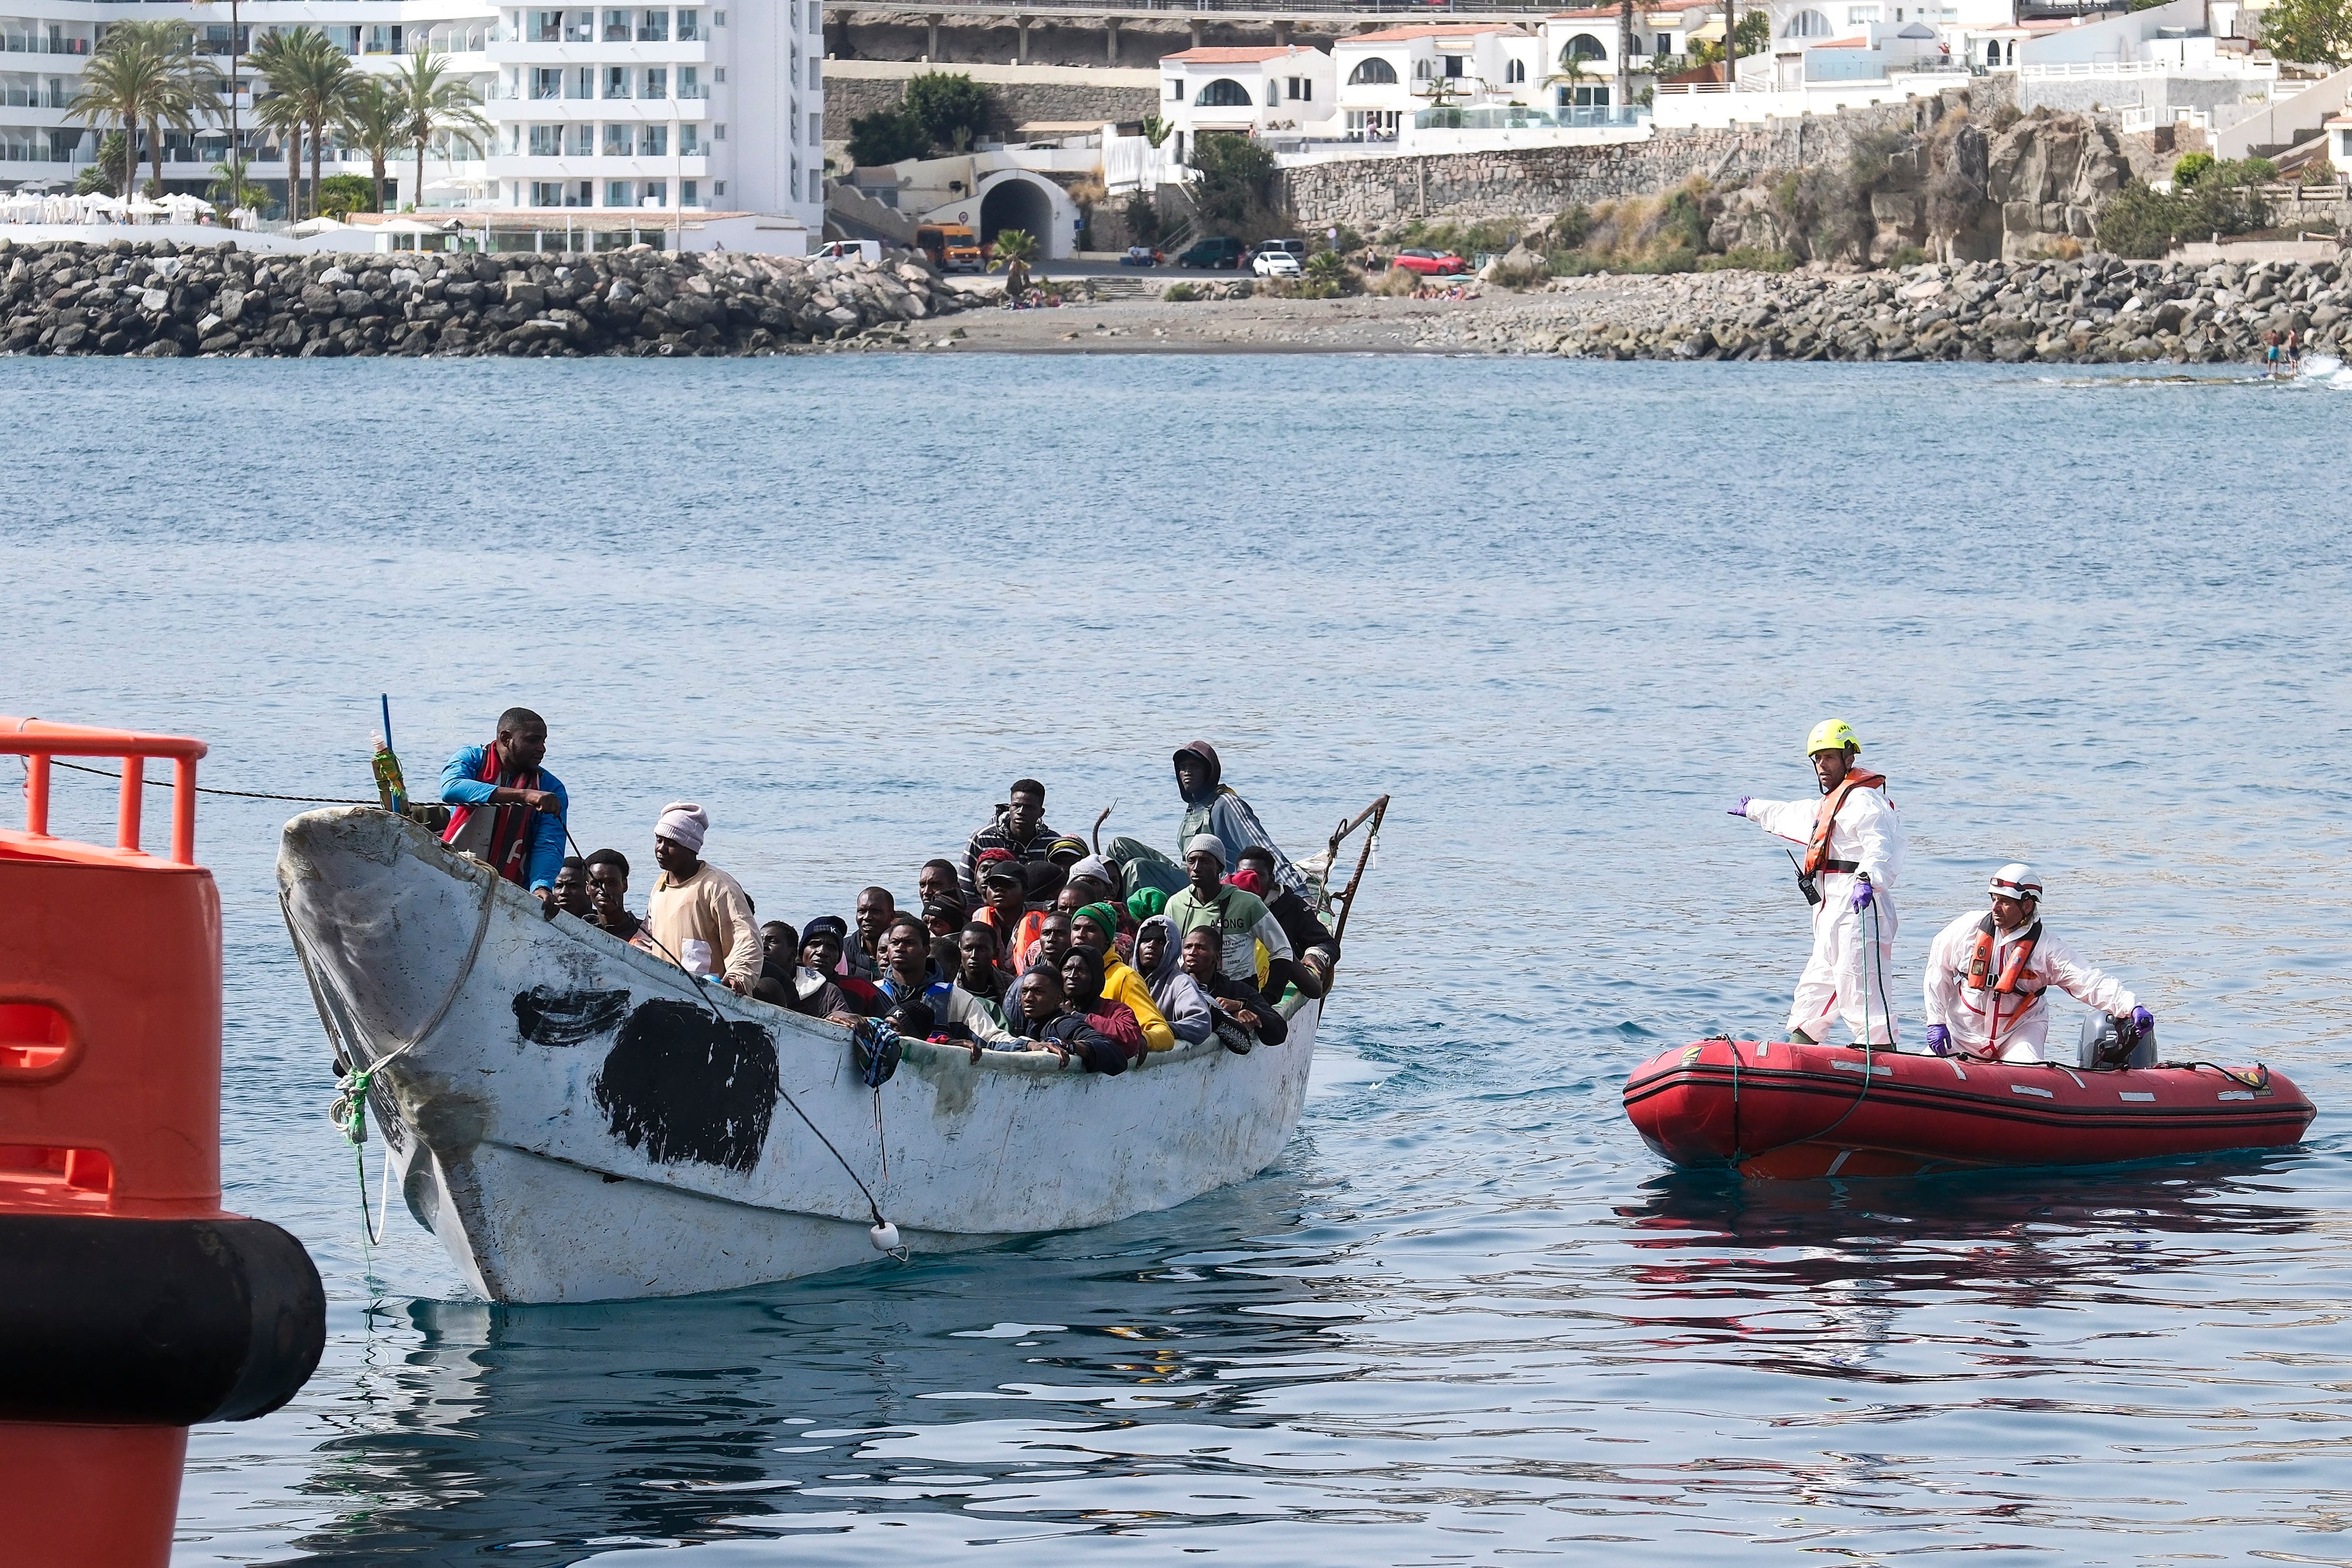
(1773,1109)
(133,1305)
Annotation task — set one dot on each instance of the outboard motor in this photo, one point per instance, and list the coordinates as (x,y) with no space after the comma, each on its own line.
(2111,1045)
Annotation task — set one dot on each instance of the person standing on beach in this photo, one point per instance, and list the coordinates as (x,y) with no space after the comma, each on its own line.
(1854,853)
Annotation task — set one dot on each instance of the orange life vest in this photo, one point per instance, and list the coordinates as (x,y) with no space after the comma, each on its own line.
(1817,848)
(2009,982)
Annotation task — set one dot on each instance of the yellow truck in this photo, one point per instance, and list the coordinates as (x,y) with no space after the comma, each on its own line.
(952,248)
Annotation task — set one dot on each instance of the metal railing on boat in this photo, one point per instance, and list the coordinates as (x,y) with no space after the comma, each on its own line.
(39,741)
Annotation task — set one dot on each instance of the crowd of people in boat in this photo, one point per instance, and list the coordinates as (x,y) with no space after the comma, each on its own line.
(1989,970)
(1030,940)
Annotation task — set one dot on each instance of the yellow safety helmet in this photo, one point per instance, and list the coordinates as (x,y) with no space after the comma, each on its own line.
(1832,735)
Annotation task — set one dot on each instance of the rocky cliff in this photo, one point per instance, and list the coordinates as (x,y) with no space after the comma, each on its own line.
(159,300)
(1953,191)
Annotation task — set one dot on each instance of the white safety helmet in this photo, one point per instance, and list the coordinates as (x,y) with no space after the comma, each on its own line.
(2016,880)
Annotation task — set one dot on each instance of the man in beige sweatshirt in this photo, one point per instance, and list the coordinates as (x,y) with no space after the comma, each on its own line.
(697,913)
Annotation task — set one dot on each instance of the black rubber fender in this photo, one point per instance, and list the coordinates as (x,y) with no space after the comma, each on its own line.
(153,1321)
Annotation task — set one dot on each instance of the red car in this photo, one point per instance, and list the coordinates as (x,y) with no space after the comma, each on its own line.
(1432,262)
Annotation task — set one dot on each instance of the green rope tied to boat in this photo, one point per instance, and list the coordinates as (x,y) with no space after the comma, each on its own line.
(349,1113)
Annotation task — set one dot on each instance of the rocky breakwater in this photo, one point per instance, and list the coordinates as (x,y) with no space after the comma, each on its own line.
(2095,310)
(159,300)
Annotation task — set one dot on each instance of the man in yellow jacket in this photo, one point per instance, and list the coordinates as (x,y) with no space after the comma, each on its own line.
(1095,926)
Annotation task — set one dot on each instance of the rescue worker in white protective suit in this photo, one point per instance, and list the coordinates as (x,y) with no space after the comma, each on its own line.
(1989,976)
(1854,853)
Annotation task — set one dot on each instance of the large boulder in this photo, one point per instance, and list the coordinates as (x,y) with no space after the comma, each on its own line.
(2052,175)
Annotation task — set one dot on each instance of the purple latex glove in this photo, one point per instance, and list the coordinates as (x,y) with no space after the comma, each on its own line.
(1939,1039)
(2142,1020)
(1741,808)
(1861,895)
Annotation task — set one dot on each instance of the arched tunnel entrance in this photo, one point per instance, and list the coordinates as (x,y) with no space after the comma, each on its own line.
(1018,203)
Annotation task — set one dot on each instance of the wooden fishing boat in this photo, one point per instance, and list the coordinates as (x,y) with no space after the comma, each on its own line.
(1775,1109)
(578,1120)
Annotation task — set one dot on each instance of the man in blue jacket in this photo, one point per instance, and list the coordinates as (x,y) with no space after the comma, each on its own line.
(506,809)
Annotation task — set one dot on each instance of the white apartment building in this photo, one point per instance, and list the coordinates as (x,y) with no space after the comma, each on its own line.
(662,107)
(1247,92)
(1388,76)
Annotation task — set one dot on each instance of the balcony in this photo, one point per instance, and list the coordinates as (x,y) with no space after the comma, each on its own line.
(508,166)
(36,43)
(505,50)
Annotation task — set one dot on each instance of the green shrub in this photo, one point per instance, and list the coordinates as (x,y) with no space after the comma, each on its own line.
(2192,167)
(340,195)
(1177,293)
(1234,194)
(886,136)
(953,109)
(1907,255)
(1570,227)
(2141,224)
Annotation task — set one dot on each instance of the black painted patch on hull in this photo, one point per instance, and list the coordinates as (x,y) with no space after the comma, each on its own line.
(545,1016)
(678,1085)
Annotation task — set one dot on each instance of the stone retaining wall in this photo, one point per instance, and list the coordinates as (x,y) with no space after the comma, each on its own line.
(1019,103)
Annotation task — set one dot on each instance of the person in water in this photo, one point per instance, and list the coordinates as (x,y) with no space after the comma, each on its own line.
(505,809)
(1989,975)
(1854,853)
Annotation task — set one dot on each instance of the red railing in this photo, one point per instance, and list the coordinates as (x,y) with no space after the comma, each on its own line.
(39,741)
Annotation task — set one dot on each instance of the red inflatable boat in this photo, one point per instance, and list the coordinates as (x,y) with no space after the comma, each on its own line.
(1793,1111)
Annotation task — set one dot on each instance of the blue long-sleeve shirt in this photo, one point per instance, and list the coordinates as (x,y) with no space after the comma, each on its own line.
(462,785)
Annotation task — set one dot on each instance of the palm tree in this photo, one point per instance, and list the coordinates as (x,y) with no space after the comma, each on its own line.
(279,59)
(146,74)
(374,122)
(1013,249)
(433,101)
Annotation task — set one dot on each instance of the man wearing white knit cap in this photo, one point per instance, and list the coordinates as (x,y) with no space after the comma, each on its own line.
(698,913)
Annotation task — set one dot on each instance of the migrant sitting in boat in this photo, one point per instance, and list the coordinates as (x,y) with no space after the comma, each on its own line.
(1029,920)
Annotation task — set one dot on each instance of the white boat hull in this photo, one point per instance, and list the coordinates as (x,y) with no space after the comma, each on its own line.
(575,1124)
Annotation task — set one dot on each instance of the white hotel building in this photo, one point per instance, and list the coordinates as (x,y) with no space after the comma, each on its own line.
(710,107)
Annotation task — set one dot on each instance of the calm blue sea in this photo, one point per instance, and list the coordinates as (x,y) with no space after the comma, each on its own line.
(1565,615)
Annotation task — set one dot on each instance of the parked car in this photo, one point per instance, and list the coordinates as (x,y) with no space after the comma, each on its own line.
(1217,251)
(1432,262)
(1274,264)
(1142,255)
(1296,247)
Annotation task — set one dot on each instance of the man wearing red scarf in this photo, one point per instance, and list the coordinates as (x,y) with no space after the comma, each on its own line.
(505,809)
